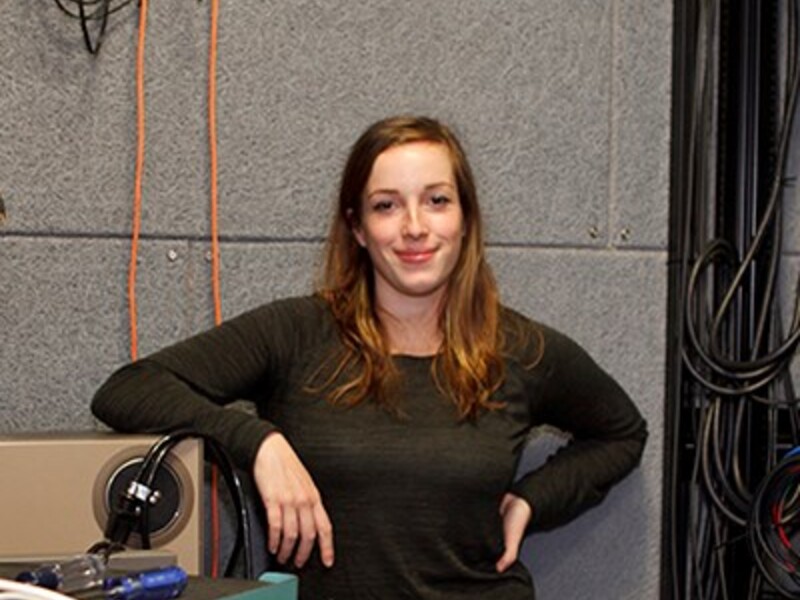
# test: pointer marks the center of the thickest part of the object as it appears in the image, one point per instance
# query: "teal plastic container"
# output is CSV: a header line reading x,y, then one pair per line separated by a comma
x,y
276,586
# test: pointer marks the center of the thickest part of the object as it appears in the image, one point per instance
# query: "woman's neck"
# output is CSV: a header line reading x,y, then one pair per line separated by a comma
x,y
412,328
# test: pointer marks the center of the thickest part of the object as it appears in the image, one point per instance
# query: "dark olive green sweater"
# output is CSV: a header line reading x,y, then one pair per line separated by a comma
x,y
413,498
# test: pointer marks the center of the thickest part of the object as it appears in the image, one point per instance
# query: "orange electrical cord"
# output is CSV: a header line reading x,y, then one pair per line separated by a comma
x,y
215,280
212,149
137,184
137,213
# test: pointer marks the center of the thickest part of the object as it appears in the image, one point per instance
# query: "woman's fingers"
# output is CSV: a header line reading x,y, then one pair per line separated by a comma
x,y
275,526
308,534
288,536
325,535
516,514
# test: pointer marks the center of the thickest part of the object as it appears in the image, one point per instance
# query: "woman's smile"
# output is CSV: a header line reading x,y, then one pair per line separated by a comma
x,y
415,256
411,222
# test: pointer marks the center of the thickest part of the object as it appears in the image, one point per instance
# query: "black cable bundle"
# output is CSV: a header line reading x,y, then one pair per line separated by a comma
x,y
709,360
89,11
130,513
774,526
732,407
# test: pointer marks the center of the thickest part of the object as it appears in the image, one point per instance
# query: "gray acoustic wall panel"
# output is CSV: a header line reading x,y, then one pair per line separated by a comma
x,y
255,273
66,151
524,80
562,106
64,323
639,208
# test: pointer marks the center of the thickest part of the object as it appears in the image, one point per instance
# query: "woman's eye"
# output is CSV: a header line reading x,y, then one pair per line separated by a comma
x,y
382,205
439,199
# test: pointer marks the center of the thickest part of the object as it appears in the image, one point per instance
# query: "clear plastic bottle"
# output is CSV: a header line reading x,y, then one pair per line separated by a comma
x,y
73,575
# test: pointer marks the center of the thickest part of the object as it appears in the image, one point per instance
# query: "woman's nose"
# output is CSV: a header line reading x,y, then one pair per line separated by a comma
x,y
414,224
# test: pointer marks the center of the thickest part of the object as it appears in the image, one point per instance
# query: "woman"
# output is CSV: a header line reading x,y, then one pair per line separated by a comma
x,y
393,404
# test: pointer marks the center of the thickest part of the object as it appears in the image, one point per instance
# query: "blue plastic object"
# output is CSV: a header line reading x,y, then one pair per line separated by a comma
x,y
158,584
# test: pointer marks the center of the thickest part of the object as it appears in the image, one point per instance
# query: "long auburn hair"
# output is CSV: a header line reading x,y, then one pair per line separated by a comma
x,y
468,369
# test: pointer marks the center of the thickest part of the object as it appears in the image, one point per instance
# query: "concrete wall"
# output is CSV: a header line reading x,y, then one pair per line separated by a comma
x,y
564,109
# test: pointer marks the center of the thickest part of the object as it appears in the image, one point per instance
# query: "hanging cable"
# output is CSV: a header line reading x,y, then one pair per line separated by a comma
x,y
137,184
765,368
100,12
212,151
136,227
103,9
215,278
734,409
129,513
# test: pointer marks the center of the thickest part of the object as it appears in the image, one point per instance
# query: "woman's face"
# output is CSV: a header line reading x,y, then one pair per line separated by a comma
x,y
411,222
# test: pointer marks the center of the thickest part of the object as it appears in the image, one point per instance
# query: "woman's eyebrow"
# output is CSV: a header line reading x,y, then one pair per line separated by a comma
x,y
440,184
388,191
430,186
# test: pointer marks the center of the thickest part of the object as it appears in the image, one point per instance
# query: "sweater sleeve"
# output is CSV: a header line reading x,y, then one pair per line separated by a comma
x,y
607,434
188,384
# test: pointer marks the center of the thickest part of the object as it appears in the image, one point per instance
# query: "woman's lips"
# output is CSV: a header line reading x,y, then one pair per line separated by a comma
x,y
415,256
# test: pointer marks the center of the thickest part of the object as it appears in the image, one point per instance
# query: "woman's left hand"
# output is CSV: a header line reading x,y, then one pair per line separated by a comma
x,y
516,514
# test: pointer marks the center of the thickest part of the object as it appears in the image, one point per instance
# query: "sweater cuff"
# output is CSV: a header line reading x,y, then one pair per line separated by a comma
x,y
534,490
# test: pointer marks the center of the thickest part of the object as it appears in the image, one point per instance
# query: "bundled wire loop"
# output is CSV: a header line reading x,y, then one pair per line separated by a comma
x,y
773,530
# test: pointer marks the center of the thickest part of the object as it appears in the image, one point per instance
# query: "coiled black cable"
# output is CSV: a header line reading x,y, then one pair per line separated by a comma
x,y
131,510
774,526
763,369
